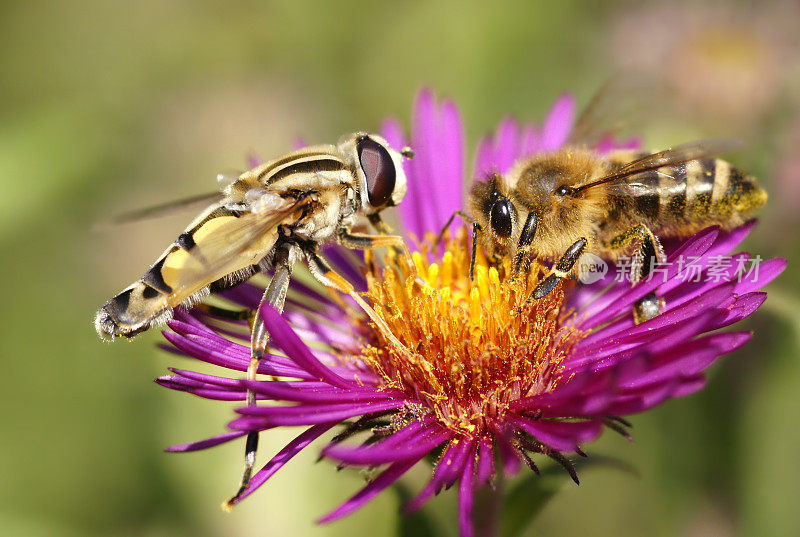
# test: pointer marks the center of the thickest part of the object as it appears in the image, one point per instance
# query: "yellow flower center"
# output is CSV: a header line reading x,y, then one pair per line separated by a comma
x,y
473,345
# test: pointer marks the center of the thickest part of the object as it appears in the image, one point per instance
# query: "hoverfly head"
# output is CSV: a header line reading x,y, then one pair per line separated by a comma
x,y
378,169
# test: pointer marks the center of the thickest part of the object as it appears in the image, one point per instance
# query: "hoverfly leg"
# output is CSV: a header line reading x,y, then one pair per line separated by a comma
x,y
384,229
360,241
561,269
400,248
649,253
228,315
331,279
378,223
286,255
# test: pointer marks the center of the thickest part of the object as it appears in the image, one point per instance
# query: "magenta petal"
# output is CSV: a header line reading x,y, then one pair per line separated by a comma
x,y
418,445
437,170
508,453
741,307
484,159
386,478
422,169
530,140
690,361
285,455
506,149
560,435
466,497
451,183
398,438
453,470
313,392
729,240
206,443
272,416
690,386
485,464
229,359
767,271
206,379
619,300
285,338
393,132
558,125
610,144
446,472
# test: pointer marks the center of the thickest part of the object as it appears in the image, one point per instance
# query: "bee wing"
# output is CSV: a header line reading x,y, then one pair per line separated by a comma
x,y
625,178
225,241
640,184
619,108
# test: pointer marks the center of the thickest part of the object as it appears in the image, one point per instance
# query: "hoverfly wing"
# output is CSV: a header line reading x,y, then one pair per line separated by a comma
x,y
162,210
222,242
624,178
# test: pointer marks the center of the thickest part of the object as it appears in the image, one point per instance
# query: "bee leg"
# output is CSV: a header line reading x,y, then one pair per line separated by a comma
x,y
561,269
325,275
525,240
475,228
286,255
462,214
649,253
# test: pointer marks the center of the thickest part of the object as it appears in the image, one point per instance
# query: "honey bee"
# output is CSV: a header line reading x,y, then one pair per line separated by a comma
x,y
559,206
268,219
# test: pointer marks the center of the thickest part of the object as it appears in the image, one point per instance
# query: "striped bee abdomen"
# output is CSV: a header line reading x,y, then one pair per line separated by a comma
x,y
717,193
680,200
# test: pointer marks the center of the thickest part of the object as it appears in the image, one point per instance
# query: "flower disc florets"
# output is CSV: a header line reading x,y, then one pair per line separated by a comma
x,y
474,345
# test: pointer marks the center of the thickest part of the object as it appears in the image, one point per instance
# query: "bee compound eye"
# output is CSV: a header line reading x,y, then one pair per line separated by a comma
x,y
378,167
500,217
563,191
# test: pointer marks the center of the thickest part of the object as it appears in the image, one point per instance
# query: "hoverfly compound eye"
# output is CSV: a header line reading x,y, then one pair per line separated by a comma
x,y
379,170
500,217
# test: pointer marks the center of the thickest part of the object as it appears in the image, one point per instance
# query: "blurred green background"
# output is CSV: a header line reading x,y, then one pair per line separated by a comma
x,y
107,106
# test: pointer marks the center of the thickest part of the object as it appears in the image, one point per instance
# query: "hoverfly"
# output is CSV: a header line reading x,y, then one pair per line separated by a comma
x,y
560,205
269,218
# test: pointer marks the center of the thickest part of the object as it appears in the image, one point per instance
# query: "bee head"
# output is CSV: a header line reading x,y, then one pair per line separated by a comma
x,y
378,169
496,214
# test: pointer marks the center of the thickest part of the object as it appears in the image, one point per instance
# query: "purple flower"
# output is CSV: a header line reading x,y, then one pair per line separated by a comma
x,y
490,378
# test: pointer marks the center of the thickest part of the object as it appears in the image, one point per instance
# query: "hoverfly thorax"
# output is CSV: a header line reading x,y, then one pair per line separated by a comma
x,y
378,169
